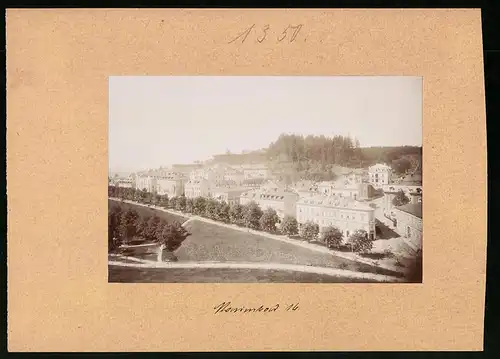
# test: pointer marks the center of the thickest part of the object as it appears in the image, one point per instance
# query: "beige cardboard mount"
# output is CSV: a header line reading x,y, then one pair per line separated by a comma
x,y
58,64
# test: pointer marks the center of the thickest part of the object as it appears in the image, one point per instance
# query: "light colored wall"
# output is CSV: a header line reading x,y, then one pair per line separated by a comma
x,y
344,219
407,220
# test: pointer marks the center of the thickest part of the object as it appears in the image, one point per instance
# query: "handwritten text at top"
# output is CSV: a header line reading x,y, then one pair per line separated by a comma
x,y
265,33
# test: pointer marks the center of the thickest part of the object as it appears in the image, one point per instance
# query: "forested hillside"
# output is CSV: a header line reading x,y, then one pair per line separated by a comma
x,y
317,157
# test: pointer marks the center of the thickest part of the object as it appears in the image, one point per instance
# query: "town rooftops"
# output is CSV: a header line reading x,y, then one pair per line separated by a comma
x,y
196,182
412,208
171,177
381,166
254,181
269,193
334,202
229,190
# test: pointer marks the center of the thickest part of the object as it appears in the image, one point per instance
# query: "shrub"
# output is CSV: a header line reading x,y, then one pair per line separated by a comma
x,y
289,226
236,213
400,199
332,236
251,215
309,230
359,242
268,220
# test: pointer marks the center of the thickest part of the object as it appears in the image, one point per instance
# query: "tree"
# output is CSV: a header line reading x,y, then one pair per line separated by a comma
x,y
236,213
400,199
359,242
114,217
289,226
173,235
180,205
401,165
164,201
199,205
251,215
151,227
309,230
142,226
223,212
173,202
189,205
156,199
211,209
158,234
128,224
332,236
268,220
144,195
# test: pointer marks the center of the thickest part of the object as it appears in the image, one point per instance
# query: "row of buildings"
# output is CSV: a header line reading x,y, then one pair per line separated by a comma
x,y
341,203
337,203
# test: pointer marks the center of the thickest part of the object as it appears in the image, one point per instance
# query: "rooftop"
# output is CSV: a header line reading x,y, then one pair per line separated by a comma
x,y
254,181
413,208
380,165
335,202
229,190
274,193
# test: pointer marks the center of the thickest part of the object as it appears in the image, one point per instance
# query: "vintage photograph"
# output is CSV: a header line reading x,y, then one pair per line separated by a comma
x,y
265,179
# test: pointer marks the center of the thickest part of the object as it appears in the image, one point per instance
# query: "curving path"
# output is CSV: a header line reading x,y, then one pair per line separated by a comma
x,y
140,263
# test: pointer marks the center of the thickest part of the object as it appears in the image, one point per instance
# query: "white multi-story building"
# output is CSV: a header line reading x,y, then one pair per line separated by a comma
x,y
197,188
341,188
379,175
147,183
235,175
305,188
282,200
256,171
228,195
344,213
171,185
124,183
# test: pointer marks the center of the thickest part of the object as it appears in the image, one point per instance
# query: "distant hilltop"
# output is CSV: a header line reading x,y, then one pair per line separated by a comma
x,y
341,151
310,157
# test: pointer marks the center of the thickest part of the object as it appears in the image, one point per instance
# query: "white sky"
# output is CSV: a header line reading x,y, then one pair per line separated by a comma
x,y
157,121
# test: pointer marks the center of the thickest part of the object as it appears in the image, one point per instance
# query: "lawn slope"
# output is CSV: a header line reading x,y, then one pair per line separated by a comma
x,y
209,242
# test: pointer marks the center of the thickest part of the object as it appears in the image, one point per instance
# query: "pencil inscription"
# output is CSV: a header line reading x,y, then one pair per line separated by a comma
x,y
290,33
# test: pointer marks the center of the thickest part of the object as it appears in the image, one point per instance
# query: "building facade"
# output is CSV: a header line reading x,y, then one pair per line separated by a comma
x,y
343,213
172,186
283,201
232,174
409,223
366,191
147,183
197,188
125,183
256,171
338,188
379,175
229,195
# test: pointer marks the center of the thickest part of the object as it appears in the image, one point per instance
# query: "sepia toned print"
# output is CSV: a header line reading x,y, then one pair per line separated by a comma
x,y
265,179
